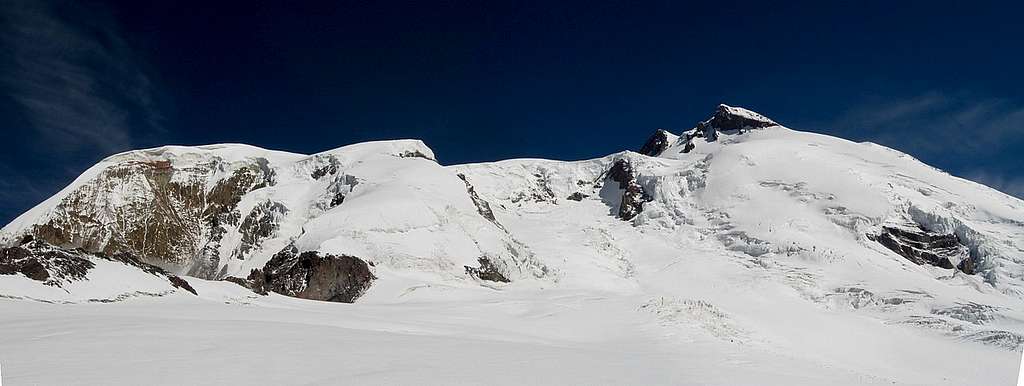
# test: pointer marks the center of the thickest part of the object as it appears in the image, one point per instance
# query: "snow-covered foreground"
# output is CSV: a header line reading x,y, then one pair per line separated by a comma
x,y
293,342
560,338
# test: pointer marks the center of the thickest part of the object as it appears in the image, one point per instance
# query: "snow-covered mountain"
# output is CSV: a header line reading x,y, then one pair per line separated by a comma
x,y
739,250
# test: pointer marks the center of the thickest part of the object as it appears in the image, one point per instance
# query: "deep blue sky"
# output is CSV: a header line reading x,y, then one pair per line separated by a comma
x,y
481,81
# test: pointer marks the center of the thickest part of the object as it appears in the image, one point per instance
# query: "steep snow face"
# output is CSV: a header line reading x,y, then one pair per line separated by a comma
x,y
775,186
412,215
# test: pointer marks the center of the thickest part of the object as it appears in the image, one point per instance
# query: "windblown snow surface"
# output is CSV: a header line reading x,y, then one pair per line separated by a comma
x,y
750,263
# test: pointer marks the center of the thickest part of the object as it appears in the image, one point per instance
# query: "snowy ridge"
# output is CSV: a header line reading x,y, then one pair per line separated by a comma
x,y
401,210
738,252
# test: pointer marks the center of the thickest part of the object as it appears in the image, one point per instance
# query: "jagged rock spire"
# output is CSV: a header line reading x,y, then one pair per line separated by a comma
x,y
658,142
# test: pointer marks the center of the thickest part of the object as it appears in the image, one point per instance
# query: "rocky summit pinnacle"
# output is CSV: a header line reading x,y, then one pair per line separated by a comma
x,y
737,118
729,119
726,119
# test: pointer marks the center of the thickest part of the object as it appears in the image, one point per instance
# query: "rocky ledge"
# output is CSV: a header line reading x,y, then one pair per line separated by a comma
x,y
633,194
728,118
57,267
657,143
311,275
923,247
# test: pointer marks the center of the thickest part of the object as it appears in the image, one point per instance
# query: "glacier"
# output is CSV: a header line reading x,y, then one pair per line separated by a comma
x,y
738,251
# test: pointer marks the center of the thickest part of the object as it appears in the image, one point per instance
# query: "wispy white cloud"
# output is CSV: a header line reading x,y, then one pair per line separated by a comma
x,y
965,131
1012,185
79,90
19,191
936,122
75,78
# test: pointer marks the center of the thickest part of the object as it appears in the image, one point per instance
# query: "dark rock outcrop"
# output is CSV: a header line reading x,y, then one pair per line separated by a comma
x,y
338,199
577,196
923,247
256,281
707,131
261,223
319,173
56,266
482,206
540,191
656,144
178,282
633,195
967,266
486,271
238,280
688,147
20,260
727,119
415,154
342,186
312,275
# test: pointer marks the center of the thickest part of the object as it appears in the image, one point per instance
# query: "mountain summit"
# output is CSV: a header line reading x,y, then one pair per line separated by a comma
x,y
737,238
727,119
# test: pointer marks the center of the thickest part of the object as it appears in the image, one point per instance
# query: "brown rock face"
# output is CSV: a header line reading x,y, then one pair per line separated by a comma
x,y
486,271
20,260
314,276
151,209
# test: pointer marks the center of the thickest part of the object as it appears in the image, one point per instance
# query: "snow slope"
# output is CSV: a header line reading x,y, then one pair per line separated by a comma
x,y
746,256
401,210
